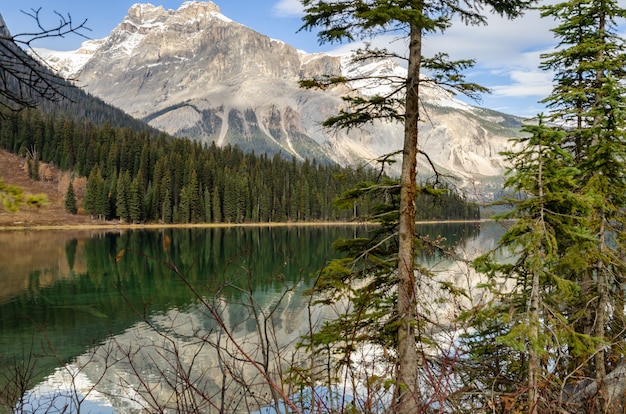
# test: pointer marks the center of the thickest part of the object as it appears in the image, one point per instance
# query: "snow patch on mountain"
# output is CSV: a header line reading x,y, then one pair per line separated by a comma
x,y
69,63
130,44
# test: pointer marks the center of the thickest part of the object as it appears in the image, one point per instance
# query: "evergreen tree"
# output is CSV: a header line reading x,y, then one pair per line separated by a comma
x,y
95,201
69,147
70,199
148,202
207,206
184,206
122,202
230,207
167,207
527,321
347,20
136,203
166,199
590,95
216,206
584,222
111,196
195,206
158,173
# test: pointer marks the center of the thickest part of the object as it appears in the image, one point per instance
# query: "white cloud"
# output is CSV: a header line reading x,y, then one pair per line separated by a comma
x,y
537,83
501,43
288,8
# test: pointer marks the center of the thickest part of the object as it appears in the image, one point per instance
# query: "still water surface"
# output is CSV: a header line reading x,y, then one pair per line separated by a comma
x,y
67,295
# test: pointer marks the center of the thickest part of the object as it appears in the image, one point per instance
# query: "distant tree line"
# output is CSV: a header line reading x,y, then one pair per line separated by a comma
x,y
139,176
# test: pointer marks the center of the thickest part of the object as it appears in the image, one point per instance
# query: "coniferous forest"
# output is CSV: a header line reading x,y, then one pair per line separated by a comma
x,y
139,175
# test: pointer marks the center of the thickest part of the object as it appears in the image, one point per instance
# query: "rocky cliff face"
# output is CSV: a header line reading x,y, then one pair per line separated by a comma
x,y
193,72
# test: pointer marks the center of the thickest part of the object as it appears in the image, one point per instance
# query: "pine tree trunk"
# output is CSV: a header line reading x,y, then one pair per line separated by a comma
x,y
533,355
407,390
533,307
601,312
600,326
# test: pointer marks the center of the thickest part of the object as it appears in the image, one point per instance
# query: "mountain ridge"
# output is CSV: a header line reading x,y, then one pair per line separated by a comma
x,y
194,72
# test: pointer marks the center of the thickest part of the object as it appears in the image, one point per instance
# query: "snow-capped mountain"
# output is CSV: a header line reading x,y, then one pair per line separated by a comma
x,y
194,72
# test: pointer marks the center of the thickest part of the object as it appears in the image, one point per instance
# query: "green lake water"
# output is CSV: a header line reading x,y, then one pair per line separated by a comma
x,y
68,293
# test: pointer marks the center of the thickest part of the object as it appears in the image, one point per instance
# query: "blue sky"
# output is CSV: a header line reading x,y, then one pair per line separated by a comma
x,y
507,52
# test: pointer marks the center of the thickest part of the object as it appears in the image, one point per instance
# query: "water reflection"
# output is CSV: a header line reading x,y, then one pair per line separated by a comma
x,y
70,301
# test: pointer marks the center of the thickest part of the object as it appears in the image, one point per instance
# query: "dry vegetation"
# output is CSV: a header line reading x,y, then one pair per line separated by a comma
x,y
53,184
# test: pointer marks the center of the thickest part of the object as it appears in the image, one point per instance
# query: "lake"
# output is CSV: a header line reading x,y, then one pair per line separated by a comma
x,y
109,321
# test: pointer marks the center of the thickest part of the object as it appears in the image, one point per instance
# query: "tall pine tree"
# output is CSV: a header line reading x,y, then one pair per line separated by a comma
x,y
346,20
587,237
70,199
523,329
95,201
589,97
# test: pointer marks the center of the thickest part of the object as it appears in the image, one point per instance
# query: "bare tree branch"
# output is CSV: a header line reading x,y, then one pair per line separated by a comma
x,y
24,80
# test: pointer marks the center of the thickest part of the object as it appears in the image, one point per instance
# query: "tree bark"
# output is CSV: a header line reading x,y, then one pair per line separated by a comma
x,y
533,355
407,390
601,276
600,326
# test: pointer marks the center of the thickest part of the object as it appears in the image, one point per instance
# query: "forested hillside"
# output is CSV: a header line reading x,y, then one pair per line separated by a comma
x,y
137,175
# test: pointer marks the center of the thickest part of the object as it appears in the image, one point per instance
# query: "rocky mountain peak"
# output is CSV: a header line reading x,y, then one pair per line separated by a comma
x,y
198,8
140,14
195,73
143,18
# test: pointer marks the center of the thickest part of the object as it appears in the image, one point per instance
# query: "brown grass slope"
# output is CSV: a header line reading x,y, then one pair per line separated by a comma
x,y
53,184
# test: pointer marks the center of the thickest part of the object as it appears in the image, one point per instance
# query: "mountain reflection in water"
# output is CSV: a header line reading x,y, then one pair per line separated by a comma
x,y
70,303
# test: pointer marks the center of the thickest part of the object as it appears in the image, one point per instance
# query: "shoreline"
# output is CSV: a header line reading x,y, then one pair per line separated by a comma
x,y
155,226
